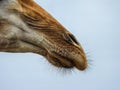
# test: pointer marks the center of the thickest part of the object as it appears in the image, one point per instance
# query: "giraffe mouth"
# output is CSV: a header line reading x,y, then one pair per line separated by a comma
x,y
60,61
67,61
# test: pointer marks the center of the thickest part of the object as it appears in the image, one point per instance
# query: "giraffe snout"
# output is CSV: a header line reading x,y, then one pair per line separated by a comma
x,y
68,57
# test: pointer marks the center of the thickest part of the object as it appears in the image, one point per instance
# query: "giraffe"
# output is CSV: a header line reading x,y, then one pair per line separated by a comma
x,y
27,27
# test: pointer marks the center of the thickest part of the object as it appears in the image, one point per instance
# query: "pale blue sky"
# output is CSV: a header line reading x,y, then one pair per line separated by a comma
x,y
96,24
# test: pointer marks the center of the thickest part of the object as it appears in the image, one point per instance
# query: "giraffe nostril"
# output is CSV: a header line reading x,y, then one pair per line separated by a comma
x,y
70,38
73,39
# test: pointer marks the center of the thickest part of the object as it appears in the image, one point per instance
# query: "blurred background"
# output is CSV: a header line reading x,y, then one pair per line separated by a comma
x,y
96,25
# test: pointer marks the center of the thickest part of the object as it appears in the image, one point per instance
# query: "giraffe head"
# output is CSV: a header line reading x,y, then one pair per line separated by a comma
x,y
26,27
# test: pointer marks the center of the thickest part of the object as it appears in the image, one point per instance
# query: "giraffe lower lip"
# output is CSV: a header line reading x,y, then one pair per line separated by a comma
x,y
60,61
